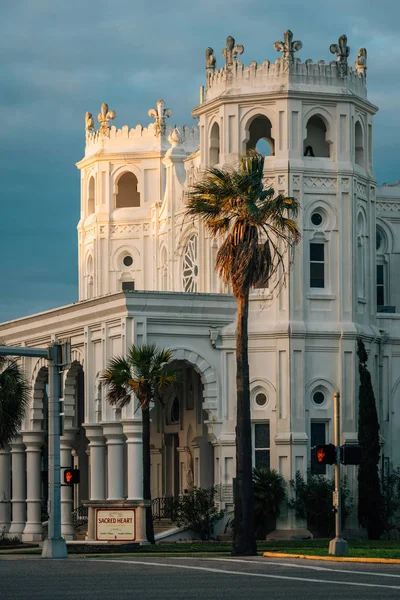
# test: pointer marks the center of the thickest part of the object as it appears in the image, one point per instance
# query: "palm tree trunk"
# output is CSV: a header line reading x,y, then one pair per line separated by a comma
x,y
244,543
146,473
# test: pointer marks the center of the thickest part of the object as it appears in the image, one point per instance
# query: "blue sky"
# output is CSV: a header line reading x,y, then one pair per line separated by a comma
x,y
60,59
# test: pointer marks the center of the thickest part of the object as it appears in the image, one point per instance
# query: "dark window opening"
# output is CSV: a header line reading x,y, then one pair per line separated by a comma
x,y
317,265
261,446
128,286
260,136
380,285
315,143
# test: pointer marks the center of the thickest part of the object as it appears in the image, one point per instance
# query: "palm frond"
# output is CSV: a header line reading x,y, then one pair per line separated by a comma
x,y
14,399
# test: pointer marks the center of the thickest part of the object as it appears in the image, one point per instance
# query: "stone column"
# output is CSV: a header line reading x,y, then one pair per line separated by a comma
x,y
67,501
133,432
5,490
97,450
33,530
115,460
18,491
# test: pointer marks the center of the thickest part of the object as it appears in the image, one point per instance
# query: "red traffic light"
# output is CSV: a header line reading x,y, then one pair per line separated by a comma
x,y
71,476
325,454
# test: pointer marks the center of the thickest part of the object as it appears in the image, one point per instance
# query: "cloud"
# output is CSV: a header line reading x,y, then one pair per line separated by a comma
x,y
60,59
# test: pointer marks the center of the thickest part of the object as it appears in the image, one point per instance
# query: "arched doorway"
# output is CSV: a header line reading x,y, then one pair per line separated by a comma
x,y
182,454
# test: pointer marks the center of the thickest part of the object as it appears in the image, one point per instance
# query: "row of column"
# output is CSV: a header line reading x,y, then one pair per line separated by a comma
x,y
107,477
20,475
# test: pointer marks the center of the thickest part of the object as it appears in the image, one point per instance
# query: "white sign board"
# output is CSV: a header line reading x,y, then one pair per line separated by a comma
x,y
116,525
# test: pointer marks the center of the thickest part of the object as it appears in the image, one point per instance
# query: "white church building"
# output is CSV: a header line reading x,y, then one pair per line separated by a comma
x,y
146,274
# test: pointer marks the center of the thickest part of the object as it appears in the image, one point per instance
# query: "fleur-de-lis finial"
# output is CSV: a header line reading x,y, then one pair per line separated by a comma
x,y
288,47
361,61
342,51
210,61
104,117
89,123
160,114
230,52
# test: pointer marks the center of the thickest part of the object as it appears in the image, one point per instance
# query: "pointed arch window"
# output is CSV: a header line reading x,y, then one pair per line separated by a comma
x,y
190,265
315,144
260,136
359,144
214,145
91,196
127,195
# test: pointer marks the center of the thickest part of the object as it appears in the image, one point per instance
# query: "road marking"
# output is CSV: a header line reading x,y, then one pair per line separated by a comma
x,y
311,567
263,575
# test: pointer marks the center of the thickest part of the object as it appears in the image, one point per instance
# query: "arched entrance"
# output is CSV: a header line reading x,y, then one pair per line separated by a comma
x,y
182,455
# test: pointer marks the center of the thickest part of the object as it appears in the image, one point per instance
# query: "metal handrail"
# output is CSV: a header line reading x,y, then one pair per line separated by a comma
x,y
80,516
163,508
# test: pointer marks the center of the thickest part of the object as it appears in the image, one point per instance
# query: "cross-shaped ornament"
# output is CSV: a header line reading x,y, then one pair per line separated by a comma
x,y
288,47
342,51
104,118
230,52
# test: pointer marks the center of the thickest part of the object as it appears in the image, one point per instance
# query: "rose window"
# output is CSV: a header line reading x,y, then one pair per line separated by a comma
x,y
190,266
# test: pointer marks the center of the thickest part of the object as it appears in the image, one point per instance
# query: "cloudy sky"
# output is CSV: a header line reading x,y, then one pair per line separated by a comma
x,y
61,58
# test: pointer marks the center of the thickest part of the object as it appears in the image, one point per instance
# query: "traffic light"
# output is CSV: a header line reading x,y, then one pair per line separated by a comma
x,y
350,454
325,454
71,476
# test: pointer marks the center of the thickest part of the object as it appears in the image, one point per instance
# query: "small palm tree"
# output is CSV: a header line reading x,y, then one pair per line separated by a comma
x,y
256,230
143,372
14,398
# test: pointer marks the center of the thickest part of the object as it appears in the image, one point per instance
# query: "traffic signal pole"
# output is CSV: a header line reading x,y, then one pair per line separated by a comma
x,y
337,545
54,546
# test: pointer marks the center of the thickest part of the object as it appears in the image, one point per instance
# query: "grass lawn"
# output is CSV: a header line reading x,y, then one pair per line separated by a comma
x,y
318,547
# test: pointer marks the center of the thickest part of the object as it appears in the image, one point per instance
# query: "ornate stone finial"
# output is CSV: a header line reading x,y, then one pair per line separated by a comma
x,y
342,51
230,52
104,118
89,123
361,61
160,114
288,47
210,61
176,137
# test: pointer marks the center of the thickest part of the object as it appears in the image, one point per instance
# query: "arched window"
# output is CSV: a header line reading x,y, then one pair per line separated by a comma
x,y
91,196
164,270
260,136
127,191
382,293
190,265
89,277
360,256
359,144
214,145
315,143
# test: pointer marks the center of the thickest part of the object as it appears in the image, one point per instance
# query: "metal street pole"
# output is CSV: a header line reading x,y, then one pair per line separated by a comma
x,y
337,545
54,546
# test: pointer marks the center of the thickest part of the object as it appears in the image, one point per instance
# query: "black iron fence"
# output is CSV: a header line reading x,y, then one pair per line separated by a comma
x,y
80,516
163,508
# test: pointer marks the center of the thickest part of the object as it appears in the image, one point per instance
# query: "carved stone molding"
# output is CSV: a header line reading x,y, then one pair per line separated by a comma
x,y
321,182
388,207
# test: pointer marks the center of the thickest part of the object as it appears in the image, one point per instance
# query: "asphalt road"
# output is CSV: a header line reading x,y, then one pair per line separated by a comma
x,y
180,578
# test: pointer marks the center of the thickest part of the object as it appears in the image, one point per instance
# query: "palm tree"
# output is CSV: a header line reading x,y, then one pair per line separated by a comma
x,y
255,232
14,398
143,372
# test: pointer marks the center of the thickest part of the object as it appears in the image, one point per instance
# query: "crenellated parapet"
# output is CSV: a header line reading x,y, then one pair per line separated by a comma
x,y
287,72
140,139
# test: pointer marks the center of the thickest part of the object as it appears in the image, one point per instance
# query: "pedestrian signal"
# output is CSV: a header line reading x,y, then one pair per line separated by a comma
x,y
71,476
325,454
350,454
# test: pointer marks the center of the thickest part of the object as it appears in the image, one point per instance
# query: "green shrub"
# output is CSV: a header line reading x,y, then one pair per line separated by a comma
x,y
196,509
6,541
391,501
269,493
314,502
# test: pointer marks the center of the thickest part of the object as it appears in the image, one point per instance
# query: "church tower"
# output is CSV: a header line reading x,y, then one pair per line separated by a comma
x,y
313,123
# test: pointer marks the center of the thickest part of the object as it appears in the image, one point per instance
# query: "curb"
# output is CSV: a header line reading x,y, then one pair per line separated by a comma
x,y
386,561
